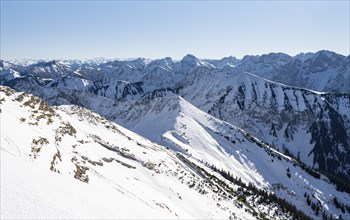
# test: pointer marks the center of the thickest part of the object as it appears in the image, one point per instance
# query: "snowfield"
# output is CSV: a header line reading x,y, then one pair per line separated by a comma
x,y
142,180
67,162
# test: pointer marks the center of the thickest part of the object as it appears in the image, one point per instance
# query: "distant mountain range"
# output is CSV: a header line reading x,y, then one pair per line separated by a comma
x,y
324,71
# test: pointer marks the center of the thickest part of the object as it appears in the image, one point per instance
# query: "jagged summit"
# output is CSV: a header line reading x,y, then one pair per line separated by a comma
x,y
46,63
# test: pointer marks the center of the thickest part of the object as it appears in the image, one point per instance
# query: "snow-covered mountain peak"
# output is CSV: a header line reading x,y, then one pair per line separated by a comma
x,y
226,61
5,64
166,64
71,82
304,56
189,58
327,53
139,63
24,62
189,62
274,57
49,69
47,63
322,61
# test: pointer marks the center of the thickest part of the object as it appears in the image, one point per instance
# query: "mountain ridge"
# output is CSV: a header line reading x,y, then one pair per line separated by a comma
x,y
328,66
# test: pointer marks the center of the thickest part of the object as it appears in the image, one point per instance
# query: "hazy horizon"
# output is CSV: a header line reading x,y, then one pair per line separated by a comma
x,y
134,58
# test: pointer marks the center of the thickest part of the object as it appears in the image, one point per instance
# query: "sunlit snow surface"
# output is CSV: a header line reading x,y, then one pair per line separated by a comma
x,y
122,188
143,179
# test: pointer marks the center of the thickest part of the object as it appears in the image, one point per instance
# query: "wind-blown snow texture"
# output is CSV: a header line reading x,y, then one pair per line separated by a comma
x,y
198,115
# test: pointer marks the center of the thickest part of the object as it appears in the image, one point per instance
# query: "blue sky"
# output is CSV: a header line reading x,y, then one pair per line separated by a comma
x,y
154,29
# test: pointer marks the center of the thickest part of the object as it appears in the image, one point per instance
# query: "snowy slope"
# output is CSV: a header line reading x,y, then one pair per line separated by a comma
x,y
179,126
290,118
87,167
